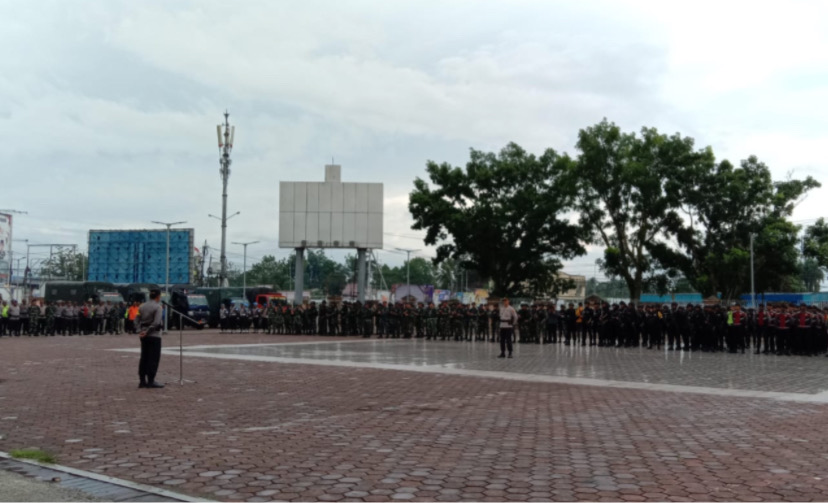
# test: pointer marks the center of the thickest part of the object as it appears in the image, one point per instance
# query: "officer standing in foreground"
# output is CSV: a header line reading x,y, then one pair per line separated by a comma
x,y
150,323
508,320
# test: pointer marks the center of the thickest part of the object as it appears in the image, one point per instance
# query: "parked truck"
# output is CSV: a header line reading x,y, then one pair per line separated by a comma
x,y
81,291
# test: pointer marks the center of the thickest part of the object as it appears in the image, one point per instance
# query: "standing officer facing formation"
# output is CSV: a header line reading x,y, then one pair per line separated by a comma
x,y
150,323
508,320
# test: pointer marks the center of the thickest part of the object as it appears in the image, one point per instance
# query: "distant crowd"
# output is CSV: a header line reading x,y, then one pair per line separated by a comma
x,y
783,329
774,329
67,318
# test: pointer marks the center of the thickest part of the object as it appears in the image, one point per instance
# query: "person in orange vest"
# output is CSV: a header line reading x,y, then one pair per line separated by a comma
x,y
132,313
579,325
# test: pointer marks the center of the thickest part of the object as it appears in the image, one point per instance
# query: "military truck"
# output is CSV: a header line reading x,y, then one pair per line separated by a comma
x,y
193,306
136,292
81,291
215,296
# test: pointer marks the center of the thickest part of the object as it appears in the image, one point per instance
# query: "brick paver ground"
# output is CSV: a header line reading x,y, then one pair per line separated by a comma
x,y
256,431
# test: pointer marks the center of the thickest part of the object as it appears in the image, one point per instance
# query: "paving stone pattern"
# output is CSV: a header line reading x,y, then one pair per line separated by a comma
x,y
791,374
260,431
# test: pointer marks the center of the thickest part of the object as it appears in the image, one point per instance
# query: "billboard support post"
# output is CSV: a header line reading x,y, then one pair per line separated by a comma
x,y
300,277
361,275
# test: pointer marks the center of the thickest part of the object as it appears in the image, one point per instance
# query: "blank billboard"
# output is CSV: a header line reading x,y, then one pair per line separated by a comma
x,y
330,215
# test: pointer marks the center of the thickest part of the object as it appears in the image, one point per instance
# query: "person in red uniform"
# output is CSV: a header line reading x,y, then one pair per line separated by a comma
x,y
735,333
801,334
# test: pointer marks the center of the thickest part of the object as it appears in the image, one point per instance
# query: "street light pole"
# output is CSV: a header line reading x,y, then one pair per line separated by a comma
x,y
244,267
167,283
752,288
225,143
407,269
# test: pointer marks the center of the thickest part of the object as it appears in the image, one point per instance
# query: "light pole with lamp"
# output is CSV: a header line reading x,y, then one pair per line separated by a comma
x,y
407,269
244,267
167,282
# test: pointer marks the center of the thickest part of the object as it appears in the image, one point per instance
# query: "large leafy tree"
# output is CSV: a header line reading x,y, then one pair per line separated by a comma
x,y
628,197
816,243
422,273
420,270
504,216
811,275
321,272
723,207
66,264
267,271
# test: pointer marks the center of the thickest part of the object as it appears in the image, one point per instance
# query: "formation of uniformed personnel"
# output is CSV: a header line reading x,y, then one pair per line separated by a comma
x,y
64,318
781,329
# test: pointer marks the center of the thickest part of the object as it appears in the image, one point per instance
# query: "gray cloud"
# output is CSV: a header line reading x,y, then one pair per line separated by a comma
x,y
108,110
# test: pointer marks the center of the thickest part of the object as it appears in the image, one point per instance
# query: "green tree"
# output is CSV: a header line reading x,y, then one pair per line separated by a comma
x,y
268,271
66,264
321,273
421,271
446,274
811,275
816,242
628,196
503,216
723,207
614,288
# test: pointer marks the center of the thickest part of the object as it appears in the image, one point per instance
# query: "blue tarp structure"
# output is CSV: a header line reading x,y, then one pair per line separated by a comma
x,y
681,298
140,256
790,298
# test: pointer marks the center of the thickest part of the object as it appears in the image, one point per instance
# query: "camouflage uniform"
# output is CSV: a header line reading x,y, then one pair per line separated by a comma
x,y
34,320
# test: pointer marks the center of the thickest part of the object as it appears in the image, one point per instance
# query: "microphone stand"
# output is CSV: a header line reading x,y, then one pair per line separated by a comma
x,y
181,317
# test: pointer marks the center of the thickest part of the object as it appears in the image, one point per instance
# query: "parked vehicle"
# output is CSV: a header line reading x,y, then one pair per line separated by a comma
x,y
179,299
136,292
81,291
265,299
215,296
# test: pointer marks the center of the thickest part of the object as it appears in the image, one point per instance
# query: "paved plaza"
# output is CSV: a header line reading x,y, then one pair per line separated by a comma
x,y
337,419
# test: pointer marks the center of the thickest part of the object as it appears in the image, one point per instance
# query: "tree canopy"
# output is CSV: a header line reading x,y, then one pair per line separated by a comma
x,y
628,196
816,243
65,264
724,206
666,213
504,216
321,272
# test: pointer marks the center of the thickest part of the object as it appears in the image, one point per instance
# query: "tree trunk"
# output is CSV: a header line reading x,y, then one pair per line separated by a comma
x,y
635,291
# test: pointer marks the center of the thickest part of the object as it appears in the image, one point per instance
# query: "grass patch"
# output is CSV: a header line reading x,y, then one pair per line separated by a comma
x,y
33,454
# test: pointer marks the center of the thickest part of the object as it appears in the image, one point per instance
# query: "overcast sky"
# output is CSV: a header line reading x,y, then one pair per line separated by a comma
x,y
108,109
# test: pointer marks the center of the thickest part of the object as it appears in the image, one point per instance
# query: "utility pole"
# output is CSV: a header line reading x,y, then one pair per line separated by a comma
x,y
225,143
407,269
25,271
167,282
204,251
752,288
11,232
223,260
52,246
244,269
